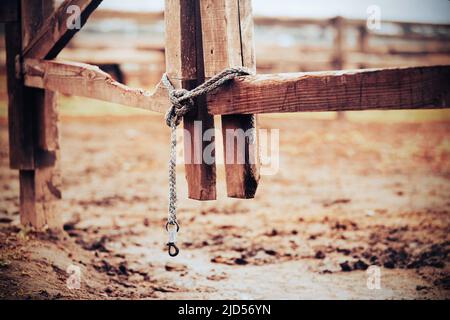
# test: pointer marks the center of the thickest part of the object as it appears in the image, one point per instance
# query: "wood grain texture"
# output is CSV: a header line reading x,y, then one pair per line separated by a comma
x,y
338,55
40,188
221,35
369,89
247,35
54,33
184,61
85,80
39,197
228,42
20,121
366,89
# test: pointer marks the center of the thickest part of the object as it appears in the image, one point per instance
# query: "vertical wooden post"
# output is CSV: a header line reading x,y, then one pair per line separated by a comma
x,y
21,149
185,68
363,40
33,121
338,44
227,27
338,59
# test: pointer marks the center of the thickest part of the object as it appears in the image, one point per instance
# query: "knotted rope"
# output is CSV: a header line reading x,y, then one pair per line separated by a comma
x,y
182,101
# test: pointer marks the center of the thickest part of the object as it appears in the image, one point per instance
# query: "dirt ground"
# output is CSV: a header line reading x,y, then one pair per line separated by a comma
x,y
347,195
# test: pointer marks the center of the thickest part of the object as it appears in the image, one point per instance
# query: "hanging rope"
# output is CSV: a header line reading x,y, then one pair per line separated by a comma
x,y
182,102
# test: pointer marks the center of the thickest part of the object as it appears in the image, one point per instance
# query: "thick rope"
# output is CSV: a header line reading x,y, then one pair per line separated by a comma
x,y
182,102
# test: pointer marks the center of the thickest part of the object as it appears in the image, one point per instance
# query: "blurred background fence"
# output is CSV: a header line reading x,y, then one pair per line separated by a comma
x,y
130,45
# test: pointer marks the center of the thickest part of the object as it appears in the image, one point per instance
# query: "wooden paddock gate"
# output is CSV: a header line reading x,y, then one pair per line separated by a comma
x,y
203,37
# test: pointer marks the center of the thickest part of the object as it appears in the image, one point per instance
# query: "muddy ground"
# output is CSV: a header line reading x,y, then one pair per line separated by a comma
x,y
347,195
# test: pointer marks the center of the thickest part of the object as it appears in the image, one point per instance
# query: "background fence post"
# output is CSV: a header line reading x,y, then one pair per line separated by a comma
x,y
227,28
33,124
338,60
184,66
363,42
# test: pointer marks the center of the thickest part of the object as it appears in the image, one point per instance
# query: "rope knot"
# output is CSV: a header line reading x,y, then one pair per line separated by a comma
x,y
181,105
182,101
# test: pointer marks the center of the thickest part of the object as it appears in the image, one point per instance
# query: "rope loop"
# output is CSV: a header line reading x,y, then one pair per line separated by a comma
x,y
182,102
173,249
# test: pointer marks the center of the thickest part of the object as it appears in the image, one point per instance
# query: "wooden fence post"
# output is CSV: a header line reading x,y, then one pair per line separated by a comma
x,y
227,27
363,41
21,149
203,37
185,68
338,50
33,124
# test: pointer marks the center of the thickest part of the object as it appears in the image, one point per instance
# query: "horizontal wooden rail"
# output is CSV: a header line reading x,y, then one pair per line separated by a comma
x,y
85,80
296,22
405,24
145,17
399,88
369,89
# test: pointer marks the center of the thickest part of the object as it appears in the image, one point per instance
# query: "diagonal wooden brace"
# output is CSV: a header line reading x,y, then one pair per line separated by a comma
x,y
57,30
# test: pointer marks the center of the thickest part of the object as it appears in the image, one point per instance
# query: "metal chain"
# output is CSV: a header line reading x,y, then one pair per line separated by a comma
x,y
182,102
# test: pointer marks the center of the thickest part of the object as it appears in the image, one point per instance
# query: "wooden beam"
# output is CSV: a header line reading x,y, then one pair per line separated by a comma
x,y
142,17
21,149
33,132
338,43
338,55
20,120
185,68
227,28
55,32
294,22
89,81
367,89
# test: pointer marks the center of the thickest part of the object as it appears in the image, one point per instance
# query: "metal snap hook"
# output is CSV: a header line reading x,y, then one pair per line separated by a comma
x,y
172,223
171,249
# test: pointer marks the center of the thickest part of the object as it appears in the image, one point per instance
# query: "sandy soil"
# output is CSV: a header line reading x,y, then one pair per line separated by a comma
x,y
347,195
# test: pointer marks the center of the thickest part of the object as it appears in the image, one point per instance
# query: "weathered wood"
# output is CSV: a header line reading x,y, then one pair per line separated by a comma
x,y
55,33
368,89
9,11
39,196
20,123
185,68
338,58
85,80
228,41
298,22
363,40
338,43
40,188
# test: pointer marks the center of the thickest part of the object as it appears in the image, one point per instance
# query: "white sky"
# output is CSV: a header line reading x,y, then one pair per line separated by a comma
x,y
405,10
